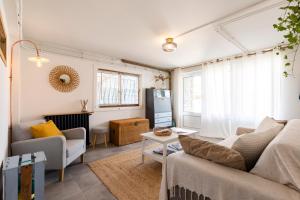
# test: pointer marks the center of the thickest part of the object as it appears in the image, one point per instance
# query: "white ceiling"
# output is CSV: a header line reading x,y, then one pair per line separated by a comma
x,y
136,29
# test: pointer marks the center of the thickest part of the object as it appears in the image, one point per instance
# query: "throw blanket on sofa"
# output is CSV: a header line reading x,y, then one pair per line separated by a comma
x,y
191,178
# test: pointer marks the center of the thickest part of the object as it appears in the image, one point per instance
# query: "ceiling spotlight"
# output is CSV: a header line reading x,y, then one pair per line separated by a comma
x,y
169,45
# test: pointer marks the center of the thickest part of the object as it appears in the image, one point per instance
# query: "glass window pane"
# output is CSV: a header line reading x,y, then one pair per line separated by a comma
x,y
192,94
129,89
108,88
187,94
99,75
115,89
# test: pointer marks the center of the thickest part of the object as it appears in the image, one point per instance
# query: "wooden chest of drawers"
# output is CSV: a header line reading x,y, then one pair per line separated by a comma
x,y
126,131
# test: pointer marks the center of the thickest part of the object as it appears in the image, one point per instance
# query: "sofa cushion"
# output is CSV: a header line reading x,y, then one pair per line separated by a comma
x,y
229,141
265,124
243,130
22,131
268,123
280,161
212,152
46,129
73,146
252,145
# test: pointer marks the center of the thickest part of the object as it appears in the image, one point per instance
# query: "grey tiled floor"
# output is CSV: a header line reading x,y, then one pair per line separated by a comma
x,y
80,182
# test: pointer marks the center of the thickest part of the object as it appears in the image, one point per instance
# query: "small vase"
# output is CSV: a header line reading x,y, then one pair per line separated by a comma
x,y
84,105
84,109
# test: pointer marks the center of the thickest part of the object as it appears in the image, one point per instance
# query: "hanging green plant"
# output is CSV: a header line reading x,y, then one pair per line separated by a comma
x,y
289,24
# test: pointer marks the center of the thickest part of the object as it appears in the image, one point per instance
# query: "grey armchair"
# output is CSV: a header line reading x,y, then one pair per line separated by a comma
x,y
60,151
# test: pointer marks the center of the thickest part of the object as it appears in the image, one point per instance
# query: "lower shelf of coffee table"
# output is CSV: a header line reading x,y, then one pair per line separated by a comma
x,y
149,153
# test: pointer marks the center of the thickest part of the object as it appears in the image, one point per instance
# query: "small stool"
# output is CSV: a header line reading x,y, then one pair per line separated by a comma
x,y
98,130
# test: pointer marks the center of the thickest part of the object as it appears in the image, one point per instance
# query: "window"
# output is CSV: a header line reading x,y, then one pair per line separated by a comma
x,y
232,93
117,89
192,94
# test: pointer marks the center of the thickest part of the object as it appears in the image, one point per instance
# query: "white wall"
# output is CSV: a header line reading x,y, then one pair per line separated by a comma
x,y
38,98
9,18
4,106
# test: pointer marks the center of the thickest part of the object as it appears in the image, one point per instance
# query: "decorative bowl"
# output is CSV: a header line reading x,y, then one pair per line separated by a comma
x,y
162,131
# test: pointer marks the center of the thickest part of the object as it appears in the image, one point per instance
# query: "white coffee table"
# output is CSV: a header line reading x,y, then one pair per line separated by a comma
x,y
164,140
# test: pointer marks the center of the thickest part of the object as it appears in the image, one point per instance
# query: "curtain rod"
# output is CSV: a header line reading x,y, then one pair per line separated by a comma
x,y
238,56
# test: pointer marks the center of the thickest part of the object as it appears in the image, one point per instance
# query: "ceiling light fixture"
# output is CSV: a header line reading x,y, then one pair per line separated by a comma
x,y
169,45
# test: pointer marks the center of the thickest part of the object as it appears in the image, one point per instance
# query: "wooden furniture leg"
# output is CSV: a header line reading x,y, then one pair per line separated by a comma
x,y
82,158
94,141
61,175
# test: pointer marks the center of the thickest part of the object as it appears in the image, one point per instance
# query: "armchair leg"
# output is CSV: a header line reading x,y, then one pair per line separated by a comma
x,y
82,158
61,174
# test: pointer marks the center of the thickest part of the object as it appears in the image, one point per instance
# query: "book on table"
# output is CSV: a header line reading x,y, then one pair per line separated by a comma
x,y
172,148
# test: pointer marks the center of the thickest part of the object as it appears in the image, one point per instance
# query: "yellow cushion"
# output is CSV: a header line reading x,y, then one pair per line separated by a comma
x,y
45,130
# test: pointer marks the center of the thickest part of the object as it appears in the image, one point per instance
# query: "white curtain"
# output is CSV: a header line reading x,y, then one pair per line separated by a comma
x,y
215,115
239,92
177,88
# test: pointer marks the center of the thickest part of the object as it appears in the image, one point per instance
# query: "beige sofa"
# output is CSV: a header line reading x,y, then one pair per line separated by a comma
x,y
276,175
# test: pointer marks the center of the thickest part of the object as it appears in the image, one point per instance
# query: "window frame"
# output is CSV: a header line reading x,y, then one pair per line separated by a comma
x,y
189,75
117,106
186,114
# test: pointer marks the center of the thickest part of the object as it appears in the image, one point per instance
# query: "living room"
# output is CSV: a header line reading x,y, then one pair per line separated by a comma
x,y
150,99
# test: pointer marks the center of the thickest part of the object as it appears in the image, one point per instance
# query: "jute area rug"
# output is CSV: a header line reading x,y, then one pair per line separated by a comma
x,y
127,178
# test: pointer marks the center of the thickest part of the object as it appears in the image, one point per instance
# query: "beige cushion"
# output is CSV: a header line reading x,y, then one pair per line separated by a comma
x,y
280,161
268,123
242,130
229,141
212,152
252,145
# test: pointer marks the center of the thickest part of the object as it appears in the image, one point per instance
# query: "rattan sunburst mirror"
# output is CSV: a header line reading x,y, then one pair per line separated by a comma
x,y
64,78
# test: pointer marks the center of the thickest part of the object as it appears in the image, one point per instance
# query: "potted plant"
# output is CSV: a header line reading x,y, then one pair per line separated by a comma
x,y
289,24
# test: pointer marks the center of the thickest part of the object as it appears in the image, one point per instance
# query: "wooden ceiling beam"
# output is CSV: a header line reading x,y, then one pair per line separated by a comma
x,y
144,65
